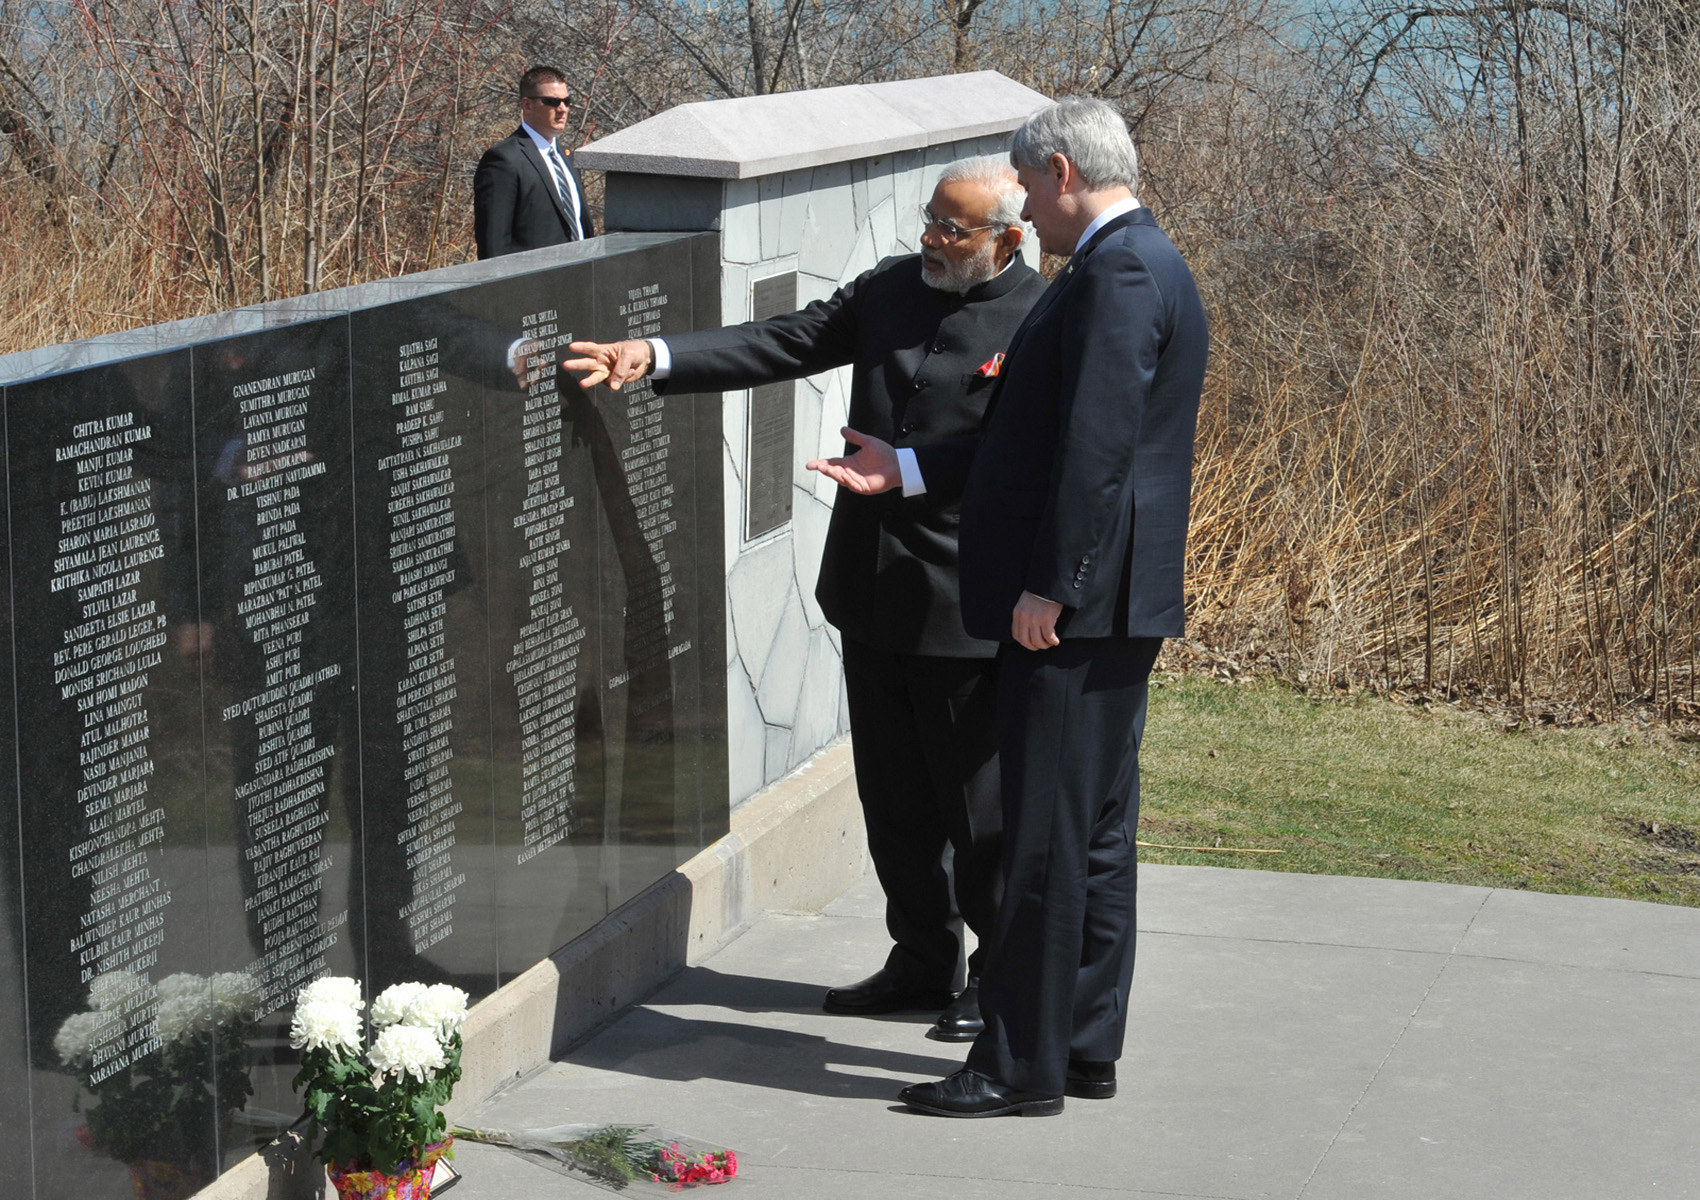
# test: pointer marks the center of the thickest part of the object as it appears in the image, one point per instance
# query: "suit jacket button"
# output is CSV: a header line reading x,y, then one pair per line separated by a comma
x,y
919,384
1077,584
938,347
1084,559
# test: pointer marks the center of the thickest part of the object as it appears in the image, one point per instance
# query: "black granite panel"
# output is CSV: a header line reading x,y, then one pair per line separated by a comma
x,y
769,449
541,511
277,595
429,908
642,450
15,1157
336,648
714,787
112,809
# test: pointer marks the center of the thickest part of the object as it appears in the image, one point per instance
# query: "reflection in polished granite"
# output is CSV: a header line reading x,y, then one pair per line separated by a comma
x,y
14,1033
109,768
340,649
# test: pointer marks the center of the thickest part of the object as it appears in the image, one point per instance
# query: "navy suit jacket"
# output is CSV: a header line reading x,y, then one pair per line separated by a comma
x,y
888,571
514,202
1078,487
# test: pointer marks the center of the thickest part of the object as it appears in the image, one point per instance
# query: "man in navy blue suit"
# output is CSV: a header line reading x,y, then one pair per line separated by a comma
x,y
1074,513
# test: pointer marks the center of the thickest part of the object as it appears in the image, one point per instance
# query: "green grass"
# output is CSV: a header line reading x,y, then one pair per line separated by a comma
x,y
1368,787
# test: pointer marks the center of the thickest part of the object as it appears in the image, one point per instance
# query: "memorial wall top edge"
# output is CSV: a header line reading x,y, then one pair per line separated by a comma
x,y
193,331
745,137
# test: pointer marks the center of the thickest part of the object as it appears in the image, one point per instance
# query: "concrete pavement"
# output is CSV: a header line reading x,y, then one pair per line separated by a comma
x,y
1291,1036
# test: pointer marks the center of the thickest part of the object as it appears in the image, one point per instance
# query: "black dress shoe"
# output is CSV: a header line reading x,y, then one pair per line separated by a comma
x,y
1089,1080
960,1021
970,1094
884,992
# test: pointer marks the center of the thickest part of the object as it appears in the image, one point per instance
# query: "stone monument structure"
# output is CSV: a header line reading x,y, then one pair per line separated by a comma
x,y
336,646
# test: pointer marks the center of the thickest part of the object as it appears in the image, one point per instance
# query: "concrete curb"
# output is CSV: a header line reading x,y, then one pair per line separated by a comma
x,y
795,847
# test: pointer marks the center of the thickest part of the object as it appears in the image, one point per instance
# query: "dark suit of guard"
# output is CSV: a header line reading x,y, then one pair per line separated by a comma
x,y
1077,491
921,691
516,204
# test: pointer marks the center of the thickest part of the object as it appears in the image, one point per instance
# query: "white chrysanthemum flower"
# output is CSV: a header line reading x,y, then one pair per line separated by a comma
x,y
108,992
392,1004
407,1050
80,1033
236,995
185,1013
336,989
182,984
441,1008
325,1025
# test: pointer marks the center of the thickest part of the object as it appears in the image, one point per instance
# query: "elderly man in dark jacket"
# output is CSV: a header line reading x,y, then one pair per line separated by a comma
x,y
923,335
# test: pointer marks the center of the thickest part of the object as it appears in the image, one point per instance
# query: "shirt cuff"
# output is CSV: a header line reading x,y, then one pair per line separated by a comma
x,y
913,484
661,358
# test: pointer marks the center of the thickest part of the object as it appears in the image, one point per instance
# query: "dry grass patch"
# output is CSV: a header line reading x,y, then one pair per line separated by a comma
x,y
1367,787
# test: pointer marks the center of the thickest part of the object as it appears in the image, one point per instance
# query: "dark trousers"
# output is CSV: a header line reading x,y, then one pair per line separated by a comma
x,y
924,737
1060,966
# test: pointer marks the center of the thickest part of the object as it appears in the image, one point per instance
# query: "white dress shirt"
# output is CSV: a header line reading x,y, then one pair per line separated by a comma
x,y
546,147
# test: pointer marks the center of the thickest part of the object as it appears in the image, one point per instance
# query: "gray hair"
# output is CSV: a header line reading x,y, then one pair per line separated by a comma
x,y
992,172
1087,132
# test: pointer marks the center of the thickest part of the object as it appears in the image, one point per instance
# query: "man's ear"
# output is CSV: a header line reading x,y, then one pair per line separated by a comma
x,y
1009,243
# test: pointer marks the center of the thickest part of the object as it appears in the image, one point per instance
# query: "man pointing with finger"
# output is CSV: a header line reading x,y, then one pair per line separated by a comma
x,y
1074,514
922,335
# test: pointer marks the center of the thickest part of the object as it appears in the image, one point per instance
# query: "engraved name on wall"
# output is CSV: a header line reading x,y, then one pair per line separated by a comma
x,y
420,550
644,461
109,537
545,663
274,476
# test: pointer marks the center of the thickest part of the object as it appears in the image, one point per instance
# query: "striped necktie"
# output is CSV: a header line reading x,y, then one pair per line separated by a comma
x,y
558,168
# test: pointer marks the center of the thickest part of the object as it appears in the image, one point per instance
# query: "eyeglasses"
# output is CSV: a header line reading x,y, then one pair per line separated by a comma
x,y
551,101
949,230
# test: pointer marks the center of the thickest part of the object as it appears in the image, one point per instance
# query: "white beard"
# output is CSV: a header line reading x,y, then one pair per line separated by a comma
x,y
959,277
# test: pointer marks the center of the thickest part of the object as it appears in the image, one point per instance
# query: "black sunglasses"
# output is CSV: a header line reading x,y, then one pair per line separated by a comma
x,y
551,101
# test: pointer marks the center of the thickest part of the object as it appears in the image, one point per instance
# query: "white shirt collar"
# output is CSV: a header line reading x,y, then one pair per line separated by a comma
x,y
1104,218
543,143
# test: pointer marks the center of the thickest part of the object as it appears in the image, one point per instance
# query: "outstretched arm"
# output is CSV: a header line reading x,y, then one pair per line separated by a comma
x,y
616,362
871,469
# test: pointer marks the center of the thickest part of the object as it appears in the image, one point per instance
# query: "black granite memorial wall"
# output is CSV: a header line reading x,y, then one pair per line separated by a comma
x,y
337,645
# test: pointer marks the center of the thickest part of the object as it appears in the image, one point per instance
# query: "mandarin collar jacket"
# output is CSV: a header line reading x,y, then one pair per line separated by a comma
x,y
888,571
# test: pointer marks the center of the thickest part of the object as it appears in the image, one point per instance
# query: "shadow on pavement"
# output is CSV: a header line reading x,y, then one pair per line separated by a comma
x,y
651,1042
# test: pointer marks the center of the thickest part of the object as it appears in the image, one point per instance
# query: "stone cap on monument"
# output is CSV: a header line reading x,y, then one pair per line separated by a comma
x,y
748,136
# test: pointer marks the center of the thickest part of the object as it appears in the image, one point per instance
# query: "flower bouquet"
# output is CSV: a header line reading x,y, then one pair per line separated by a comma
x,y
143,1053
379,1108
617,1157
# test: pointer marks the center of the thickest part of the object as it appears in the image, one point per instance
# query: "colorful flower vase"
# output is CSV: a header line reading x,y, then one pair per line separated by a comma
x,y
153,1180
408,1183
